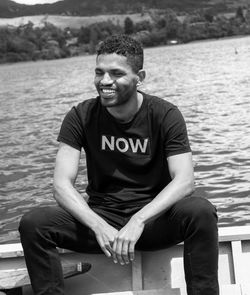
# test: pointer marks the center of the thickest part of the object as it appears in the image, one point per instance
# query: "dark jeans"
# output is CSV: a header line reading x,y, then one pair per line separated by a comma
x,y
192,220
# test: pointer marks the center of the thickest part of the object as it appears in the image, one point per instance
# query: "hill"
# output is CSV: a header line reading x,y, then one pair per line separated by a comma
x,y
10,8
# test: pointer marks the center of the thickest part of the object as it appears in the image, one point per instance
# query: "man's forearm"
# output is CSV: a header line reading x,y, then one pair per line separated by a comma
x,y
69,198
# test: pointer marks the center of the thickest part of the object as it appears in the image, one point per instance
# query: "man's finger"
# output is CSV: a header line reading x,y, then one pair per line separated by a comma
x,y
104,247
118,251
109,248
125,253
131,251
113,252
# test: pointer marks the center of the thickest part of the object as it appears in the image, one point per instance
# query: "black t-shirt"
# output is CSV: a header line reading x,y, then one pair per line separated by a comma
x,y
126,162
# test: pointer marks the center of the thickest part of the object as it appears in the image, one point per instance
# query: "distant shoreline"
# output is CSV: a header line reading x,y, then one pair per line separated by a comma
x,y
221,38
55,36
73,21
88,54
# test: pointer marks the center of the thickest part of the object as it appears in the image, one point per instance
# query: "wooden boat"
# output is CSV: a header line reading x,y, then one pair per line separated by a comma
x,y
152,273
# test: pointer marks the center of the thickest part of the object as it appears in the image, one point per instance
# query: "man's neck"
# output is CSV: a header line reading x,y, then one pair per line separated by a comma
x,y
125,113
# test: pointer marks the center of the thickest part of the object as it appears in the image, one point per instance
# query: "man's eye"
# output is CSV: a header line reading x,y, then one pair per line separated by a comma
x,y
98,73
118,74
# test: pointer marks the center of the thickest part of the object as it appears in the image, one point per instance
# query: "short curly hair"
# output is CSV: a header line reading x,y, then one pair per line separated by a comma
x,y
126,46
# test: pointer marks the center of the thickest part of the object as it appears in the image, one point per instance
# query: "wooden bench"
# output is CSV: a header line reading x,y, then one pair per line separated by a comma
x,y
154,273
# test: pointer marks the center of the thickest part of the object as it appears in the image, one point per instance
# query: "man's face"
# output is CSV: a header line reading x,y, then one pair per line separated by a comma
x,y
115,80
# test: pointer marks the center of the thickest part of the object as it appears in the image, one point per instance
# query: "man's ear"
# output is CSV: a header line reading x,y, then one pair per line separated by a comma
x,y
141,75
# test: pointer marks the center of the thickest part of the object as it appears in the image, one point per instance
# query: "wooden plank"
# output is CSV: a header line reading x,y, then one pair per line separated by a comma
x,y
233,289
237,260
145,292
13,278
234,233
137,278
245,289
116,293
11,250
16,250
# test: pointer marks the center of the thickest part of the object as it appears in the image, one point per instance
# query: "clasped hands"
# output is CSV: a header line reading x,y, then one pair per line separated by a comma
x,y
120,245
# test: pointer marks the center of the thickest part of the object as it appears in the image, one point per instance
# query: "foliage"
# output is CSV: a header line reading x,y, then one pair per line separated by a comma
x,y
28,42
128,26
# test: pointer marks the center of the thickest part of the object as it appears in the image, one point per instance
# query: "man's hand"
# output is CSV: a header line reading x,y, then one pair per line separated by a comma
x,y
126,238
105,235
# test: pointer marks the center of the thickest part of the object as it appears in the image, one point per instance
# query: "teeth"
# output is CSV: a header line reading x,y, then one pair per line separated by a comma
x,y
108,91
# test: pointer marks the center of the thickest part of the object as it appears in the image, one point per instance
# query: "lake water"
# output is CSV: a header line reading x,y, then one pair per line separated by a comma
x,y
209,81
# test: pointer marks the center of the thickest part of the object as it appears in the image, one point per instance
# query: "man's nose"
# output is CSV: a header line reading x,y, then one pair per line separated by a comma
x,y
106,80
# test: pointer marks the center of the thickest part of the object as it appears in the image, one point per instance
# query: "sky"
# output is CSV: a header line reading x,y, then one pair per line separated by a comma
x,y
34,1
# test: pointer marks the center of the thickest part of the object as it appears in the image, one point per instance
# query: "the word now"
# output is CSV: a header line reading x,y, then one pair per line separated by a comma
x,y
121,144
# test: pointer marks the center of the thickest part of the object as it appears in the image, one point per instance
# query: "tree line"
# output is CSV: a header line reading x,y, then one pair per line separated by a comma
x,y
27,42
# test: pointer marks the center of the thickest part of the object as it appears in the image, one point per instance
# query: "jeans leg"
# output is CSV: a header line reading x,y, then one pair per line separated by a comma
x,y
41,231
194,221
200,246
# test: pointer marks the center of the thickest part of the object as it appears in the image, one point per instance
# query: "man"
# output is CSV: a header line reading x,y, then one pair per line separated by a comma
x,y
140,181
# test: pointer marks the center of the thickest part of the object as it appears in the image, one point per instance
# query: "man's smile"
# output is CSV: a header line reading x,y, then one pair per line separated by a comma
x,y
107,92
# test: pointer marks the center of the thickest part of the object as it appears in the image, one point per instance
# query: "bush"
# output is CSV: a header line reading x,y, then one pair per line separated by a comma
x,y
18,45
128,26
13,57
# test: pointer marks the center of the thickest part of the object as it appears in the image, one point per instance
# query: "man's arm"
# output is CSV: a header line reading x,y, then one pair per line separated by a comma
x,y
182,184
66,169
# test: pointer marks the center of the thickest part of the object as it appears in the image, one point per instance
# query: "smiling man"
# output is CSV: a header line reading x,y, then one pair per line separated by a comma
x,y
140,181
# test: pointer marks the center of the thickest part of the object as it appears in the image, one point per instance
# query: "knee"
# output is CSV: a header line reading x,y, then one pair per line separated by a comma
x,y
203,209
201,212
201,222
31,221
26,223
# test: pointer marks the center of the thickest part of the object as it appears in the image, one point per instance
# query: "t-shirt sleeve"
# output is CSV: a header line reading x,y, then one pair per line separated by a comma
x,y
175,133
71,131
